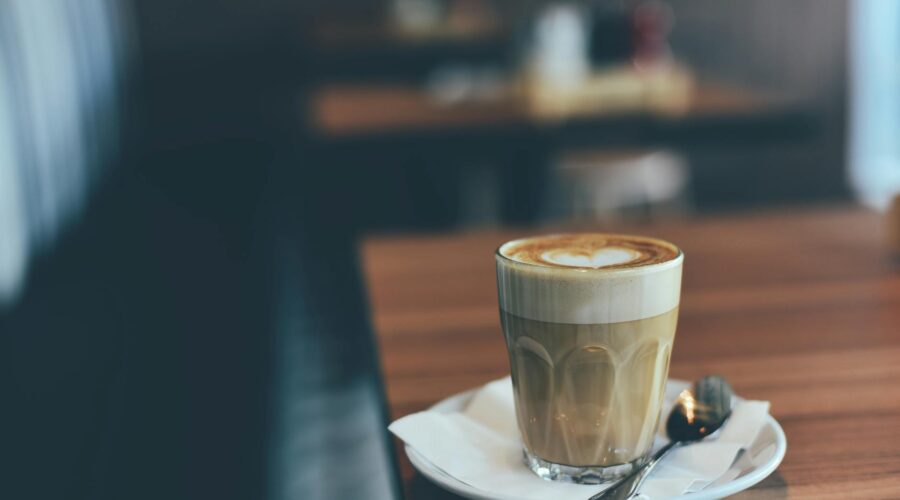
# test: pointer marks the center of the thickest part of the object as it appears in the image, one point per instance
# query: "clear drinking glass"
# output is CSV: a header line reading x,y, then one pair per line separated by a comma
x,y
589,346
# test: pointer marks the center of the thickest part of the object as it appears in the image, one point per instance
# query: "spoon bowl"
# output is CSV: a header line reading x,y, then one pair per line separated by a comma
x,y
701,410
698,412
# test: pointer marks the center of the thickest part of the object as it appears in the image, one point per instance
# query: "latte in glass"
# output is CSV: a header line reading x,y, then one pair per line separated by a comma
x,y
589,321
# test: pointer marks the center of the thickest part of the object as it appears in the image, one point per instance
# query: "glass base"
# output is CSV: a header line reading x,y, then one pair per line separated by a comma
x,y
581,475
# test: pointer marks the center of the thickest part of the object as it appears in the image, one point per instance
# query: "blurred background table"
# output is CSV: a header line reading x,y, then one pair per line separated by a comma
x,y
802,309
341,112
511,144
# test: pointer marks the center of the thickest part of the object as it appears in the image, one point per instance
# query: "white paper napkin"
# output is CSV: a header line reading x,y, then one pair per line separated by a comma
x,y
480,446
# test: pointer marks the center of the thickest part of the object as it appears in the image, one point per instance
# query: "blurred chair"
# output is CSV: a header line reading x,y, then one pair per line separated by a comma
x,y
616,184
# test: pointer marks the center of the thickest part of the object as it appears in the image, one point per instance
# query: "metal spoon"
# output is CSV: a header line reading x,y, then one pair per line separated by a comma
x,y
699,412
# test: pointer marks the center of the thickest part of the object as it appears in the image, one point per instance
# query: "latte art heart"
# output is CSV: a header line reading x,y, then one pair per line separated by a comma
x,y
608,256
590,251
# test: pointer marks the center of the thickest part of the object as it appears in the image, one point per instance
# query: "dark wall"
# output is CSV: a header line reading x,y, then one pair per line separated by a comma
x,y
793,50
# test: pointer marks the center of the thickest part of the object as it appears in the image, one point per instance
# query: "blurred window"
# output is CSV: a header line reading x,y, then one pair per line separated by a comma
x,y
875,100
61,69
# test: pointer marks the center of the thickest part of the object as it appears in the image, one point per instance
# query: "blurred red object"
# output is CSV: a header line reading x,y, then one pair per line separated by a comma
x,y
652,22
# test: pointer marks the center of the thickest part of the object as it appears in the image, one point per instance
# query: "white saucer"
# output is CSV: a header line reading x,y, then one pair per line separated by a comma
x,y
766,452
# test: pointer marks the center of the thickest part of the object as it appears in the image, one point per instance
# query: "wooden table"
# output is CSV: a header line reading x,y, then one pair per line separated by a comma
x,y
801,309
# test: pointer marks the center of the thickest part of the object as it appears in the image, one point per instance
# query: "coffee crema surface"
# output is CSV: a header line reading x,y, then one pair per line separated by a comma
x,y
590,251
588,278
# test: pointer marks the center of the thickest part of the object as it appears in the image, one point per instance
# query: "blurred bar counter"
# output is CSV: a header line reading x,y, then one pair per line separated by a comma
x,y
394,132
612,108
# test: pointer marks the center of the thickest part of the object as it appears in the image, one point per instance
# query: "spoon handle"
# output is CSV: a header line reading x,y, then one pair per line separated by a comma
x,y
629,485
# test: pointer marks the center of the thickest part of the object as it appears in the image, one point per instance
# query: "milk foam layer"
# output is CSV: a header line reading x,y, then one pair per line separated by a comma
x,y
588,278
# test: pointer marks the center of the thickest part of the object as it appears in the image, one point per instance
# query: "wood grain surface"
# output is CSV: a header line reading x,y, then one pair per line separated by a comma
x,y
799,308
